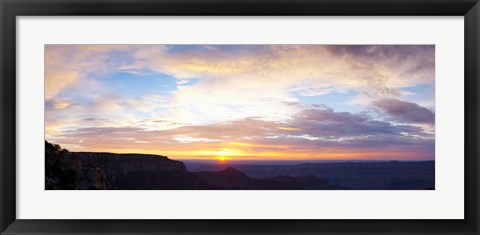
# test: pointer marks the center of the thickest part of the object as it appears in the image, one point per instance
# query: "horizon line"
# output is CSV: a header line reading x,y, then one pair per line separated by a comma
x,y
264,160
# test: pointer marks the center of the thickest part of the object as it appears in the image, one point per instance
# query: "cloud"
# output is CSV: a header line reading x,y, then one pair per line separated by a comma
x,y
380,70
66,64
377,69
240,81
263,78
313,133
406,112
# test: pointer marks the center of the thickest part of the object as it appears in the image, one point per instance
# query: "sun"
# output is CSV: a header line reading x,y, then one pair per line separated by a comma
x,y
223,155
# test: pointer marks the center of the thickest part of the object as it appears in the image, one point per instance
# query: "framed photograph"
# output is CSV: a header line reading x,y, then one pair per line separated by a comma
x,y
252,117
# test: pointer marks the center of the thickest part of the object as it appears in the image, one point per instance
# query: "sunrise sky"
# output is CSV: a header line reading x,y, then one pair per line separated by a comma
x,y
243,102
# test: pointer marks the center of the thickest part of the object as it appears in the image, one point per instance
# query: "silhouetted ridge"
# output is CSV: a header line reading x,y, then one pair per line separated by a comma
x,y
231,178
371,175
232,172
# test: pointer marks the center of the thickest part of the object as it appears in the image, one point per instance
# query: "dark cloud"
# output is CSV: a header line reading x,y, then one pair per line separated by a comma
x,y
328,123
95,119
405,111
384,53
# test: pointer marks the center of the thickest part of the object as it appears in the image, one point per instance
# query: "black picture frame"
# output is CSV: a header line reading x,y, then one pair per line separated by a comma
x,y
470,9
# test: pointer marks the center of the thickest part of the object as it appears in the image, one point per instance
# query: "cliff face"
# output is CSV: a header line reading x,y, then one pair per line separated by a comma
x,y
66,171
84,170
138,171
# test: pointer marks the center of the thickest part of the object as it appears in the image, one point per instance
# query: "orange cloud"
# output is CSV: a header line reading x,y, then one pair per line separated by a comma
x,y
287,128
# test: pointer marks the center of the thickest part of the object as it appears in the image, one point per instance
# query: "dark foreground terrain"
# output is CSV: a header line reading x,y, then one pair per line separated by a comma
x,y
88,170
392,175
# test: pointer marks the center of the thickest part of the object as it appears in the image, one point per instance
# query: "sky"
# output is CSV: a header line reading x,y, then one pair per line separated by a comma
x,y
243,102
